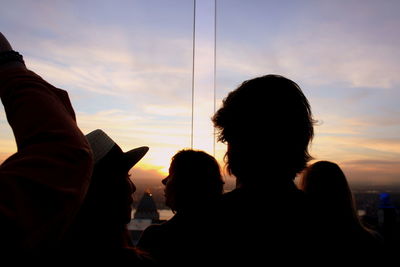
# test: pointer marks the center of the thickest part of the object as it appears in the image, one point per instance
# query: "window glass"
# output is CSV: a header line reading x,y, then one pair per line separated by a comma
x,y
127,66
345,57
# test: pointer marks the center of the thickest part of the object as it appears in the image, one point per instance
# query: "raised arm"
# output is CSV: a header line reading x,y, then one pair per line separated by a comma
x,y
43,184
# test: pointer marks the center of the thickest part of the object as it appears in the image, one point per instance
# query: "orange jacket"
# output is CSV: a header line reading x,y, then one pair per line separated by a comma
x,y
44,183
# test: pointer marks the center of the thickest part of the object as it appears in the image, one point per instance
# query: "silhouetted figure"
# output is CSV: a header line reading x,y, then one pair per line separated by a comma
x,y
267,125
193,186
43,184
334,205
100,228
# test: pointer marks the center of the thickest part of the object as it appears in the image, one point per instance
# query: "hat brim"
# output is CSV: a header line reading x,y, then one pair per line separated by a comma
x,y
135,155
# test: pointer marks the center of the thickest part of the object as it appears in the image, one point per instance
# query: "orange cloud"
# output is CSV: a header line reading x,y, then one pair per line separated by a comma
x,y
372,172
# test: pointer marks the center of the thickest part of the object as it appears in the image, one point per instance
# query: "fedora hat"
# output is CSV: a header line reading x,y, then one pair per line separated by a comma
x,y
104,147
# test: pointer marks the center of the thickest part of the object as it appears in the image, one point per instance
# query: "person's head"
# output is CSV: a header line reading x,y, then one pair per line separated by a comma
x,y
194,179
326,184
266,122
108,201
111,188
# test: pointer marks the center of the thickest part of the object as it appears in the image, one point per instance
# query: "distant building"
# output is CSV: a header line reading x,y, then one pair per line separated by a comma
x,y
147,208
146,214
389,220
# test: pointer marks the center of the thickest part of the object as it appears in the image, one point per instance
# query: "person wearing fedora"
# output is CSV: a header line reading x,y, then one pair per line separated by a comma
x,y
42,185
101,224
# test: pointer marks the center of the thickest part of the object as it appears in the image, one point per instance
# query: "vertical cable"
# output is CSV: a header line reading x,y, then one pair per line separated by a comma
x,y
215,68
193,55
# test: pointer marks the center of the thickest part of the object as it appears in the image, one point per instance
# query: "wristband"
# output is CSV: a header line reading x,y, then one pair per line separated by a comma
x,y
10,56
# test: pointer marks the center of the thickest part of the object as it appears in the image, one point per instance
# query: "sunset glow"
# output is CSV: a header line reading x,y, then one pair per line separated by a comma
x,y
127,66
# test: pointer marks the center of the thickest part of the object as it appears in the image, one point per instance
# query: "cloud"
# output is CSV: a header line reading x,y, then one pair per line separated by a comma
x,y
168,110
86,53
116,72
143,175
346,147
373,172
317,48
366,160
317,62
319,59
134,79
380,163
130,130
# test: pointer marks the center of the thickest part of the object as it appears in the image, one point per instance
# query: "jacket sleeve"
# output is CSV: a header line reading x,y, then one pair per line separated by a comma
x,y
43,184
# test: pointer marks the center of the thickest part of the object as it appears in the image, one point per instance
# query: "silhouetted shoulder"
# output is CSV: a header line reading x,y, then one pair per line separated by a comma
x,y
232,196
370,238
158,231
178,240
151,237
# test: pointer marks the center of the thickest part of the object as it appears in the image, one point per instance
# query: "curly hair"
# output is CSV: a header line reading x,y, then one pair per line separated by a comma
x,y
266,120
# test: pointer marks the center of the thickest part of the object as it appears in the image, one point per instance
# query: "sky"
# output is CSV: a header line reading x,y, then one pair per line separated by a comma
x,y
127,66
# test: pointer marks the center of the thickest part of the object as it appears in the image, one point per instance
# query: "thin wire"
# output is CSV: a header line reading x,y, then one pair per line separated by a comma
x,y
193,55
215,68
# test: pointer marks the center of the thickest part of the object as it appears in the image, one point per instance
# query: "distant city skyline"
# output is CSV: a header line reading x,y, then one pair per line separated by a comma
x,y
127,66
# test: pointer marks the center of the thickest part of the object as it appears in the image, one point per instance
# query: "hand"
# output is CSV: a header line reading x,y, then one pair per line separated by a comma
x,y
4,47
4,44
